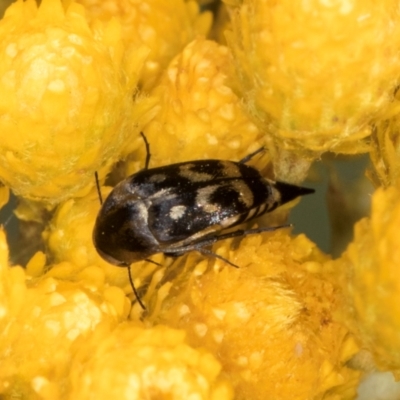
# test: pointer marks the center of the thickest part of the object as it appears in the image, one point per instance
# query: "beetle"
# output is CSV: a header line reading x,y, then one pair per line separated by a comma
x,y
183,207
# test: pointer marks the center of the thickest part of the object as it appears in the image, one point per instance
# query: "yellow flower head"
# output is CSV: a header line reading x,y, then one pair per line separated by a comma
x,y
200,116
165,27
316,73
68,237
38,336
65,98
78,85
136,363
12,285
271,322
4,196
370,269
385,150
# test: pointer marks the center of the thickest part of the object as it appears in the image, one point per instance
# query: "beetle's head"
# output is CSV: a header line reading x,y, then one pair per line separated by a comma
x,y
121,235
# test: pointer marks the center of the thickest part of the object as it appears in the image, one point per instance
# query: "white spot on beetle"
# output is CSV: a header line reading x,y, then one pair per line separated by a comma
x,y
142,211
262,208
244,192
204,194
231,169
177,212
186,171
226,223
251,213
165,194
275,197
157,178
211,208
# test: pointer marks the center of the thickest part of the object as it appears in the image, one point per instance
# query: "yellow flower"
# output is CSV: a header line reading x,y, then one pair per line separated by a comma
x,y
385,150
68,237
136,363
12,285
40,322
165,27
4,195
76,88
370,273
65,99
271,322
199,116
316,73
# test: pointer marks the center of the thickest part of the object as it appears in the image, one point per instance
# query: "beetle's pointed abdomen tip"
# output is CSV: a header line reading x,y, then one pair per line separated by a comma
x,y
289,192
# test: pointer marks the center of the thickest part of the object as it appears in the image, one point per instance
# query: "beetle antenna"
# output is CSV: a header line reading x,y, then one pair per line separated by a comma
x,y
148,155
96,177
134,289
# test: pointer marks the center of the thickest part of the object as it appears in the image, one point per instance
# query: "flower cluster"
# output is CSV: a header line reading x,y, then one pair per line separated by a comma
x,y
80,80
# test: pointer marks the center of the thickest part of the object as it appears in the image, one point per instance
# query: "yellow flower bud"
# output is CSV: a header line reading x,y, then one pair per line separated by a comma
x,y
68,237
316,73
385,151
38,338
136,363
200,116
79,82
12,285
370,274
271,322
4,196
165,27
65,99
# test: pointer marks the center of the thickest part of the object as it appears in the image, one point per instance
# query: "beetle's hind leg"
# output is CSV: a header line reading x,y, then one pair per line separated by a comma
x,y
202,251
204,242
215,255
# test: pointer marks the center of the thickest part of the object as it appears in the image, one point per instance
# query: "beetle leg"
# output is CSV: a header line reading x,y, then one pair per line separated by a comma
x,y
208,241
251,155
148,155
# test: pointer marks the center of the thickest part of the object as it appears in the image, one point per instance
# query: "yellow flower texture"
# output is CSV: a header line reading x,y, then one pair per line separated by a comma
x,y
271,322
136,363
80,81
198,106
370,269
66,99
385,149
164,27
62,340
316,73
